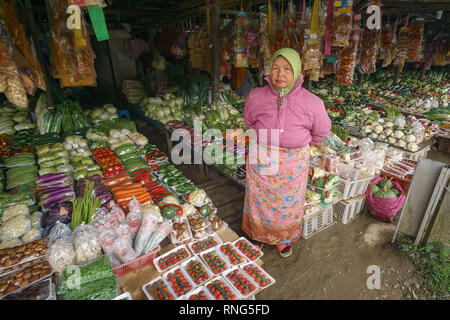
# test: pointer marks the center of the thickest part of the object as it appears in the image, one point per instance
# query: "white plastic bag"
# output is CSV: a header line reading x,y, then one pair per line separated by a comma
x,y
60,254
157,236
60,231
123,250
148,226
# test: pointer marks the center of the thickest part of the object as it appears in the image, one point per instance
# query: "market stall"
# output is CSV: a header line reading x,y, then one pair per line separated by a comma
x,y
82,188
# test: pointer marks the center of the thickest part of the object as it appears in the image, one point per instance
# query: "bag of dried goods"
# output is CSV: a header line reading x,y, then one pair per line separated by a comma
x,y
86,244
61,254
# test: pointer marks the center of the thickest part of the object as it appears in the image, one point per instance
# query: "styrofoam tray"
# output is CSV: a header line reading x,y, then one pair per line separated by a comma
x,y
197,291
243,258
149,296
174,241
216,252
224,225
263,272
222,280
124,296
207,270
157,259
258,251
46,289
206,225
211,236
244,275
188,278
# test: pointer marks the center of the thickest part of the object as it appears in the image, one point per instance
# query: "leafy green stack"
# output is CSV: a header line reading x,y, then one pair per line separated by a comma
x,y
96,282
384,189
85,207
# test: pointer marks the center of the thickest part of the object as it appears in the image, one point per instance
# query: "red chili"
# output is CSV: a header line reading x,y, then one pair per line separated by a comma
x,y
137,172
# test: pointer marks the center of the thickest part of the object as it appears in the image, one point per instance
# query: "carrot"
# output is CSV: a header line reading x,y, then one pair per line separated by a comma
x,y
121,185
128,190
128,195
116,180
143,198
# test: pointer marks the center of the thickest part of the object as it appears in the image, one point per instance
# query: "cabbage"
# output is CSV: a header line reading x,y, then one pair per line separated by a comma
x,y
110,109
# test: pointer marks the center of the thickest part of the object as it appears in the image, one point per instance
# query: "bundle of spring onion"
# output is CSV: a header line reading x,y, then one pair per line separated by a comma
x,y
84,208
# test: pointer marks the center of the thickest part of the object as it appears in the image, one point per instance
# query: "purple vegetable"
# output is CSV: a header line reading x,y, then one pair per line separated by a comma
x,y
61,211
57,198
54,191
62,182
50,177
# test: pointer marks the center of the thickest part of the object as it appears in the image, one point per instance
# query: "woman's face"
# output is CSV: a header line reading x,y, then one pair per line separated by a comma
x,y
282,73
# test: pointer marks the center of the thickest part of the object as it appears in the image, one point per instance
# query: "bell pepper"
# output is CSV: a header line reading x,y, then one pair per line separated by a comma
x,y
205,210
154,167
165,179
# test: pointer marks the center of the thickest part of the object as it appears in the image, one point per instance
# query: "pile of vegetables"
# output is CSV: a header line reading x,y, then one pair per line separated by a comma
x,y
53,159
73,118
23,194
76,146
99,189
84,167
12,120
130,158
118,138
21,170
46,138
54,188
384,189
107,111
23,139
109,163
96,139
86,206
164,109
107,125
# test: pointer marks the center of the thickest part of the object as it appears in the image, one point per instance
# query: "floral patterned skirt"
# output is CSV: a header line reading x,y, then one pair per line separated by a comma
x,y
275,195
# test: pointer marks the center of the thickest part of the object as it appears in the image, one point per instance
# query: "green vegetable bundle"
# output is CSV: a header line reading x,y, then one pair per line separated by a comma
x,y
97,281
84,208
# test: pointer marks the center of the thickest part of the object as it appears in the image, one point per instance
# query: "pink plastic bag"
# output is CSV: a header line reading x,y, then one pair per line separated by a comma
x,y
384,208
134,217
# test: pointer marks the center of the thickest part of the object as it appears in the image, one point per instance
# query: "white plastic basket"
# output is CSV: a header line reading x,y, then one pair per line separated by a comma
x,y
348,210
350,189
316,222
415,156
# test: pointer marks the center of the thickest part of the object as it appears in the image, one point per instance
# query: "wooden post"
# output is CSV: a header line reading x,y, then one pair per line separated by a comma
x,y
208,19
397,73
360,79
422,72
215,51
34,35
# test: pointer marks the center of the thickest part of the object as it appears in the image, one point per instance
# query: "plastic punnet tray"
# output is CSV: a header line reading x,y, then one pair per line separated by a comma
x,y
243,275
242,258
38,290
259,275
183,274
161,284
193,295
205,241
214,252
173,251
221,281
257,251
124,296
185,265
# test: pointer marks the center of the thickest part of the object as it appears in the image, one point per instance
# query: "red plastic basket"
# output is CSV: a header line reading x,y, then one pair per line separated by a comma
x,y
136,263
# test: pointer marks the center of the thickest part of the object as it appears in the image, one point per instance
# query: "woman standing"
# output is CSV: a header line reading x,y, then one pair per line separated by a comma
x,y
273,208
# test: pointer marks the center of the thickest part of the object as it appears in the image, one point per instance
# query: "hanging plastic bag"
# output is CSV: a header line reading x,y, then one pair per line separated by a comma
x,y
384,208
369,46
415,41
346,64
402,47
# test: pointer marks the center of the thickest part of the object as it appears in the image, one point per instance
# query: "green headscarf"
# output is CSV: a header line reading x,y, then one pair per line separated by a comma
x,y
294,59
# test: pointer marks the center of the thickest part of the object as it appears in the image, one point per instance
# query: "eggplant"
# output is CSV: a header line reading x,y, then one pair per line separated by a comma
x,y
62,182
56,192
52,200
50,177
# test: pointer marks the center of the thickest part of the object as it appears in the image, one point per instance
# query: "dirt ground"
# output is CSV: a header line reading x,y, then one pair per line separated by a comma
x,y
332,264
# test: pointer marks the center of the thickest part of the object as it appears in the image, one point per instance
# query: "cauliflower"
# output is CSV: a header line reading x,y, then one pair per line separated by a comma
x,y
14,211
15,227
188,209
197,197
171,199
